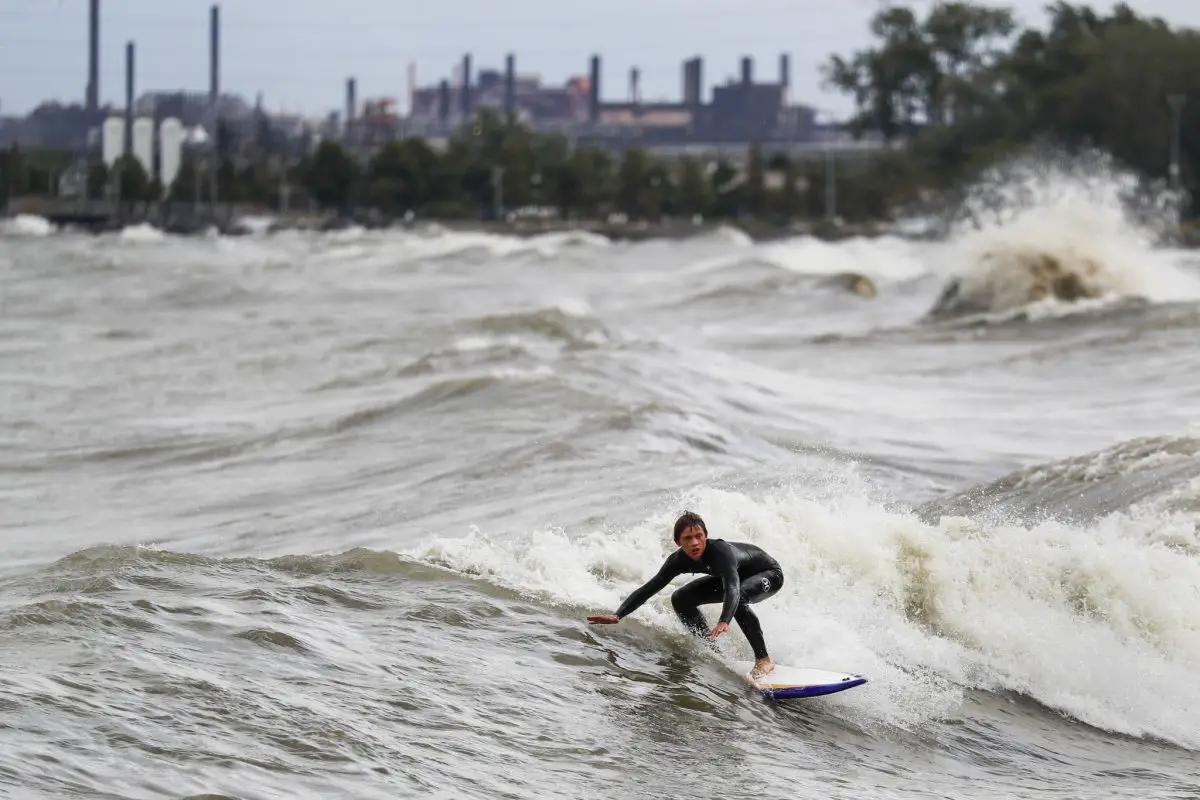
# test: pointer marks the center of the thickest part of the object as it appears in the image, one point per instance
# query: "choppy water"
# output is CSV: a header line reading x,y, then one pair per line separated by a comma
x,y
322,516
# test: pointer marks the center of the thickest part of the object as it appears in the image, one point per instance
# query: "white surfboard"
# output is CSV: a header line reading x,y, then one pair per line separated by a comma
x,y
788,683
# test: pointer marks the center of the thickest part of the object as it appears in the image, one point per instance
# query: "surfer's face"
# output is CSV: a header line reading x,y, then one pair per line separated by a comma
x,y
692,540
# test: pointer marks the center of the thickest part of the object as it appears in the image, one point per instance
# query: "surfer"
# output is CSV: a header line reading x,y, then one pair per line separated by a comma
x,y
738,574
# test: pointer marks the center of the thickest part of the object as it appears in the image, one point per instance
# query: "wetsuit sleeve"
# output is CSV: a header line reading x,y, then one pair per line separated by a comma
x,y
650,588
725,565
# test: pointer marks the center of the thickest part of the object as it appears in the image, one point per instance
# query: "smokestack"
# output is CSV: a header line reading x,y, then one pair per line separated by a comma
x,y
785,72
692,93
93,86
634,75
214,55
351,99
444,101
594,92
412,86
129,68
465,97
510,85
747,71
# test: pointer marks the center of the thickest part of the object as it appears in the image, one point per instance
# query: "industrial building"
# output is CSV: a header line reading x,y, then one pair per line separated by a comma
x,y
727,115
739,111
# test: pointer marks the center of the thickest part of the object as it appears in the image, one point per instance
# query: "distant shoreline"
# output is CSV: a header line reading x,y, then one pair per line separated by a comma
x,y
247,220
186,219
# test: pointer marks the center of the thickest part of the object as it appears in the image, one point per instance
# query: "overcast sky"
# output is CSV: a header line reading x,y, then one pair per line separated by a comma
x,y
299,52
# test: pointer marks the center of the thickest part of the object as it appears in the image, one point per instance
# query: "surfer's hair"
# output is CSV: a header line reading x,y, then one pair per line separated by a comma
x,y
686,520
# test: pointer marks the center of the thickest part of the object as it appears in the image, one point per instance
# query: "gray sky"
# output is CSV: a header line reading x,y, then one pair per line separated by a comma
x,y
299,52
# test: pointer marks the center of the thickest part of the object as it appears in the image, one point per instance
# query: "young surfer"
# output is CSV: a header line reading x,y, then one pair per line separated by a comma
x,y
737,575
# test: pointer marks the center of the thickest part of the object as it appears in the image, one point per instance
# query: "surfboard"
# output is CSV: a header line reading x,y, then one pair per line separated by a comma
x,y
789,683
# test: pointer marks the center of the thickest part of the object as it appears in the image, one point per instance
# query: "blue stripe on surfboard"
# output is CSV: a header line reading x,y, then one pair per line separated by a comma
x,y
791,692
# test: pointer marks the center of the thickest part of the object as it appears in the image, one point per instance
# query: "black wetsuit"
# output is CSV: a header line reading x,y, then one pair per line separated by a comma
x,y
736,575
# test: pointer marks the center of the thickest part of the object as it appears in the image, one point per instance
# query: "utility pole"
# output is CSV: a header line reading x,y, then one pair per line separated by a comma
x,y
214,164
1176,102
827,139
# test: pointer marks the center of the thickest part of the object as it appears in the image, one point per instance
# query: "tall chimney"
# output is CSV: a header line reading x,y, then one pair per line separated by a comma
x,y
444,101
351,100
747,71
129,70
510,85
465,104
692,93
635,75
594,92
214,55
93,86
412,86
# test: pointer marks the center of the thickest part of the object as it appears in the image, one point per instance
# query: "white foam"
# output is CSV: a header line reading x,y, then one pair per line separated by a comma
x,y
352,233
1102,623
733,236
475,344
26,225
256,225
1077,216
576,307
436,242
521,375
143,232
887,258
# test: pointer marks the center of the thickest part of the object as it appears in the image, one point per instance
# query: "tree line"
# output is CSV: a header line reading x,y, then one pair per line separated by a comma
x,y
497,166
486,170
966,85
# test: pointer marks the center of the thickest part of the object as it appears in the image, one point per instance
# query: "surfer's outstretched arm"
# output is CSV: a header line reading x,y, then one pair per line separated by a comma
x,y
640,595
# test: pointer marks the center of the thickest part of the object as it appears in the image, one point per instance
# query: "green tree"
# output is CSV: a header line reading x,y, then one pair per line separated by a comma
x,y
229,188
402,177
583,183
965,87
135,185
786,202
12,173
923,71
696,194
756,192
330,176
183,188
659,193
727,190
97,180
888,82
632,178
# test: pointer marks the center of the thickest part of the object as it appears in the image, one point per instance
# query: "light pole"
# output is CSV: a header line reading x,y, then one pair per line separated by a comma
x,y
830,168
1176,102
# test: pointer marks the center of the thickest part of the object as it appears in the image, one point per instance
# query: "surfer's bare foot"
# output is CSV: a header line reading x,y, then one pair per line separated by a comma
x,y
762,667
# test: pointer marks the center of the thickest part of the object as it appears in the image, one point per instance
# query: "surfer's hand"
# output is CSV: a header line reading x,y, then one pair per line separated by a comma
x,y
604,619
718,629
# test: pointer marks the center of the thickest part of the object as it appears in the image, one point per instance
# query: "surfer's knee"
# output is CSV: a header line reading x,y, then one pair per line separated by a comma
x,y
762,586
